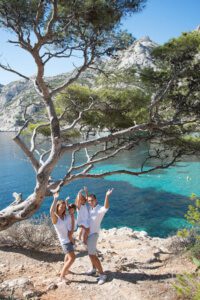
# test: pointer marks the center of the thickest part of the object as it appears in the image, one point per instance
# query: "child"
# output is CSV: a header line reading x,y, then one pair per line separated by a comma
x,y
82,215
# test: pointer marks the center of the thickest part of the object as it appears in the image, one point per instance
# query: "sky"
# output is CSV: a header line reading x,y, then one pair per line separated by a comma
x,y
161,20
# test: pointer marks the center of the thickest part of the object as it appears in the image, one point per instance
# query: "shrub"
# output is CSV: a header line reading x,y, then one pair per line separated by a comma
x,y
195,250
193,232
31,234
188,286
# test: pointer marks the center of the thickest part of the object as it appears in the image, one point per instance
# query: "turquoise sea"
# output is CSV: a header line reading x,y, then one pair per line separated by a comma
x,y
153,202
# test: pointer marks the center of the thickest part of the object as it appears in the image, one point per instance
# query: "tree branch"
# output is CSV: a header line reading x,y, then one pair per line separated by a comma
x,y
9,69
73,124
110,137
91,161
87,62
35,134
28,153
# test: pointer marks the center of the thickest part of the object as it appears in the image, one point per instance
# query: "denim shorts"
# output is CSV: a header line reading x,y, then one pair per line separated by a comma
x,y
69,247
92,243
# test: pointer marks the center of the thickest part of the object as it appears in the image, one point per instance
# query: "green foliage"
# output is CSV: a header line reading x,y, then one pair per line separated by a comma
x,y
21,10
193,217
45,131
193,213
178,71
184,233
196,254
179,50
95,22
113,109
186,143
121,78
188,286
71,134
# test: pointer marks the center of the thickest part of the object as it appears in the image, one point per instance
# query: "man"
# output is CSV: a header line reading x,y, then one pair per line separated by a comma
x,y
96,214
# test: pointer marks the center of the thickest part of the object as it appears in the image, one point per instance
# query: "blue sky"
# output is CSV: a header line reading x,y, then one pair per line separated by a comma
x,y
161,20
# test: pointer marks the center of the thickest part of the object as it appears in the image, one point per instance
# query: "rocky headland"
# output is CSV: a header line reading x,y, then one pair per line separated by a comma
x,y
138,267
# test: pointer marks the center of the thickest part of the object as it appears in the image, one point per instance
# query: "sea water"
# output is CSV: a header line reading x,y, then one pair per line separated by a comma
x,y
154,202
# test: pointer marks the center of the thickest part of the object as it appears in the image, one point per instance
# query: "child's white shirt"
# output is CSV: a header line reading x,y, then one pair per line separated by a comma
x,y
83,216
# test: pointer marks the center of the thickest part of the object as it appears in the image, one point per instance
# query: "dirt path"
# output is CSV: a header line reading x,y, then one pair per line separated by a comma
x,y
138,268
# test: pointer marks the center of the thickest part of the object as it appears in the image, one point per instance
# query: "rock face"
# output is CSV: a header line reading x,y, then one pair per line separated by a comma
x,y
138,55
1,86
16,95
13,97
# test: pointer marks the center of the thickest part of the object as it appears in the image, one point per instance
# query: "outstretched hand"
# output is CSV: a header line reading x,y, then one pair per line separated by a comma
x,y
85,189
109,192
67,200
56,195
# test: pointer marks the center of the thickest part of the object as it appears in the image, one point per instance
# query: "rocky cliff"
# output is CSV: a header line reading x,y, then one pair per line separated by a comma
x,y
138,55
16,95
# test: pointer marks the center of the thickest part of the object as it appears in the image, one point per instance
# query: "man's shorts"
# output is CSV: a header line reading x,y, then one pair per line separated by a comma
x,y
92,243
69,247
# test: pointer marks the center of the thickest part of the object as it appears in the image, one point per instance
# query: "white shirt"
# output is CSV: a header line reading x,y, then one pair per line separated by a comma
x,y
96,215
62,228
83,216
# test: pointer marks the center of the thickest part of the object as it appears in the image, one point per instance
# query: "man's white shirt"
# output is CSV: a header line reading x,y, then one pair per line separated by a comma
x,y
96,215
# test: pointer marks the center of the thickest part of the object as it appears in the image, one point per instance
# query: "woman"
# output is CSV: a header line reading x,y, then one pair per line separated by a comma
x,y
64,226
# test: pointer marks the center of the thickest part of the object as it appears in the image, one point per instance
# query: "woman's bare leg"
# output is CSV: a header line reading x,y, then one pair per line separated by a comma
x,y
80,234
68,261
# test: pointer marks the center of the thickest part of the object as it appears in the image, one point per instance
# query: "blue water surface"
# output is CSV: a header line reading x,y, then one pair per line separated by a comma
x,y
154,202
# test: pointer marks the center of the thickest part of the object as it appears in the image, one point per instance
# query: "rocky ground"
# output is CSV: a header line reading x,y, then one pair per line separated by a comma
x,y
138,267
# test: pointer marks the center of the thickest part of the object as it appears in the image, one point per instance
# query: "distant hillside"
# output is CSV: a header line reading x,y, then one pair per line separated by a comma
x,y
16,95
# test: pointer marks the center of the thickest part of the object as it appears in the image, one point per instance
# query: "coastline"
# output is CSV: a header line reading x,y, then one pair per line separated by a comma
x,y
154,202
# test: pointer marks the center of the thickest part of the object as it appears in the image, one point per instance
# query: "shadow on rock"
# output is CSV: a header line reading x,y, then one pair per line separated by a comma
x,y
135,277
40,255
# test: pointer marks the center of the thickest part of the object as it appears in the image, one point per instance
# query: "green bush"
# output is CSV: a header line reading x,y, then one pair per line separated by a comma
x,y
195,250
193,218
188,286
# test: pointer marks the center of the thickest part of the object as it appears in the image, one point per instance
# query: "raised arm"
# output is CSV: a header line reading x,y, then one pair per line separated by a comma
x,y
54,218
86,192
67,201
106,202
78,199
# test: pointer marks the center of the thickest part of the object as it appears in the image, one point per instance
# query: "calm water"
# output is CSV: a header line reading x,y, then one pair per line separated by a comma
x,y
155,202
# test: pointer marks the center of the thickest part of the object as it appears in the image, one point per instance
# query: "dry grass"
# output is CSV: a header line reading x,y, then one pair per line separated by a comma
x,y
25,235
